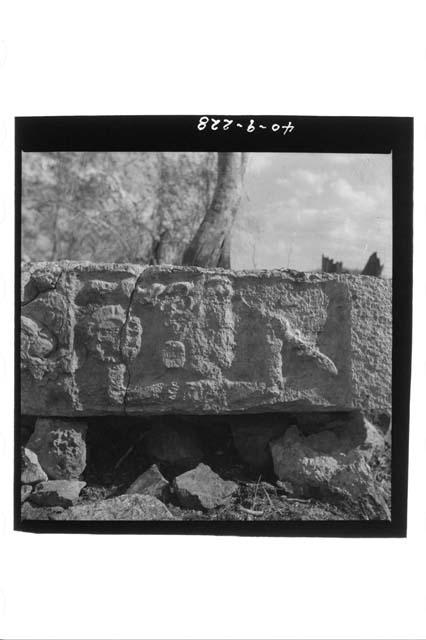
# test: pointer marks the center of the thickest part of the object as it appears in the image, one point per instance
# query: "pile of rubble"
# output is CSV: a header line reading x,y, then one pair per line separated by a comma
x,y
336,461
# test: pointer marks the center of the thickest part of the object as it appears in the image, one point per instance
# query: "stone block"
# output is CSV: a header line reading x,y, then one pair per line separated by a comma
x,y
127,339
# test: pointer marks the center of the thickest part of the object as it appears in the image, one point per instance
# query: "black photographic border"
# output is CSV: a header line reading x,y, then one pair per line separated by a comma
x,y
311,134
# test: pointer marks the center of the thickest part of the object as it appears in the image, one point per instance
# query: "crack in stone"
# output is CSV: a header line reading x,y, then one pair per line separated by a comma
x,y
125,359
24,304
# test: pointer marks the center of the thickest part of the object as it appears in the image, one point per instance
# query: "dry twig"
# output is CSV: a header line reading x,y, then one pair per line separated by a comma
x,y
255,491
269,498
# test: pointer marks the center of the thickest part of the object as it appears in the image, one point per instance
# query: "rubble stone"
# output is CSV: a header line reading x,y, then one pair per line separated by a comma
x,y
60,446
25,491
203,488
60,493
31,471
329,461
151,483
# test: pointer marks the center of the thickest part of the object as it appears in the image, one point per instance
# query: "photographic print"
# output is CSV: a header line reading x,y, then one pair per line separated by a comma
x,y
212,318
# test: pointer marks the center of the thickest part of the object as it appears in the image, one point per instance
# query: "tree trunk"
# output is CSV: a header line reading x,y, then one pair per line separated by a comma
x,y
164,250
211,244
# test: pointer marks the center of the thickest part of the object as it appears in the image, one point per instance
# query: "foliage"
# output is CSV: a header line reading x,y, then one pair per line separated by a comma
x,y
118,207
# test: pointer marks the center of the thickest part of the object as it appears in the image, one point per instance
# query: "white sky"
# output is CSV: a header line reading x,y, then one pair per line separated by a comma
x,y
298,206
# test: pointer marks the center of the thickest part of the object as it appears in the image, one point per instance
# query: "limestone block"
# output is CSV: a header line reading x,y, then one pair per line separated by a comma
x,y
127,339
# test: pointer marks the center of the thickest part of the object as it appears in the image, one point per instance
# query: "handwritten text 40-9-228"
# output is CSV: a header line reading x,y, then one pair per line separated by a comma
x,y
216,124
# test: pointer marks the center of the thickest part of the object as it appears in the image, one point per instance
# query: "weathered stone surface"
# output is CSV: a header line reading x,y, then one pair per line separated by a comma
x,y
60,446
203,488
177,447
110,339
31,471
25,491
151,483
330,461
61,493
125,507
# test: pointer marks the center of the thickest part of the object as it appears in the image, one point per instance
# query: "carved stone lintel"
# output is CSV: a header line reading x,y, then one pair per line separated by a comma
x,y
106,338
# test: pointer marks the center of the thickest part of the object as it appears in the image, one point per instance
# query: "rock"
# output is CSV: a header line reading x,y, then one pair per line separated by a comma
x,y
60,446
151,483
328,461
104,339
29,512
61,493
177,447
31,471
25,491
125,507
252,434
202,488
